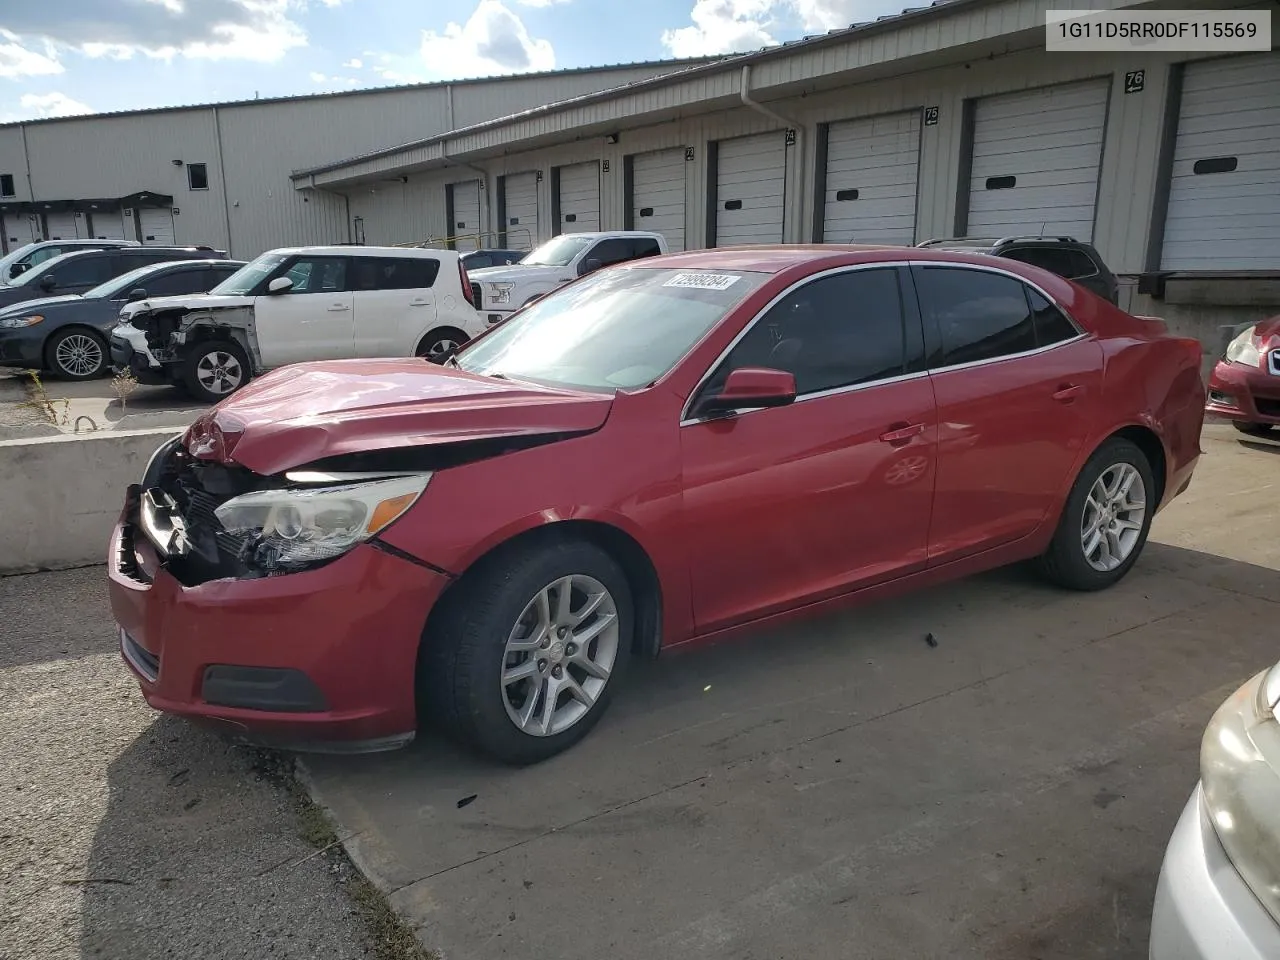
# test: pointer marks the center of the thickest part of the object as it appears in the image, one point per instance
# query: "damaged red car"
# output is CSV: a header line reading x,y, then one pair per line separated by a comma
x,y
1245,384
661,452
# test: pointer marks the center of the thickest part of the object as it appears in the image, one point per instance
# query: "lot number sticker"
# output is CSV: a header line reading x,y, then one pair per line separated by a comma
x,y
702,281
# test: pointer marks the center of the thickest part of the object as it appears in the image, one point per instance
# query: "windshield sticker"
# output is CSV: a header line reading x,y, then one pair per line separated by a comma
x,y
702,281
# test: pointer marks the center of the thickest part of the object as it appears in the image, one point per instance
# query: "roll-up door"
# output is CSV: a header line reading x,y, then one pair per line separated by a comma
x,y
108,225
751,182
580,198
658,194
61,226
1224,192
157,226
466,215
520,197
1036,157
872,169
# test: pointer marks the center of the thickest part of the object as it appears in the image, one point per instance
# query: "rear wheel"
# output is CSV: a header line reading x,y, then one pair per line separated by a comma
x,y
77,355
1105,521
215,370
1252,429
523,659
438,345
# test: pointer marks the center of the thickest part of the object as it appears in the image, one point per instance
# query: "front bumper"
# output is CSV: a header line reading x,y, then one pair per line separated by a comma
x,y
1244,393
1203,908
125,357
319,660
23,346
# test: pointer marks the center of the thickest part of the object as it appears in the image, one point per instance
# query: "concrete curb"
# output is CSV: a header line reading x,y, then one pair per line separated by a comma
x,y
61,495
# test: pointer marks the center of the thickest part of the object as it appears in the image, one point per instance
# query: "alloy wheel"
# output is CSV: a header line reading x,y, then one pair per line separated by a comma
x,y
441,347
559,655
219,372
78,355
1114,514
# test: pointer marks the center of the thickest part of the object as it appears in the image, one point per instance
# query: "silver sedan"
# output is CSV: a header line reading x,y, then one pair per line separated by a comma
x,y
1218,897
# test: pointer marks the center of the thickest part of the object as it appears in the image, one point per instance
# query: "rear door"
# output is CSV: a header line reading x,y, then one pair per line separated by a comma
x,y
395,303
1016,383
313,320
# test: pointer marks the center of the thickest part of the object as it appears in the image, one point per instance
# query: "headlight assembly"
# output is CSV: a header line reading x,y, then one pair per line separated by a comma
x,y
293,528
11,323
500,292
1243,349
1240,778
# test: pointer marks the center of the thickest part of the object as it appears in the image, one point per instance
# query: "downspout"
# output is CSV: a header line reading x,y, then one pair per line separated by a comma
x,y
747,101
222,175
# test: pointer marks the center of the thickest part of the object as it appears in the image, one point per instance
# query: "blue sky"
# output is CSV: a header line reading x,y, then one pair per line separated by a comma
x,y
62,57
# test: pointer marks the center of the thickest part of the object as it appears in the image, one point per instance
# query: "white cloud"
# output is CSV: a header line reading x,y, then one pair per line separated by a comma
x,y
355,63
723,26
317,77
540,3
838,14
493,41
17,60
52,105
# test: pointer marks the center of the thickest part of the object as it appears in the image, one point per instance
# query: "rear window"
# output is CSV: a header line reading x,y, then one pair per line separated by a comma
x,y
617,329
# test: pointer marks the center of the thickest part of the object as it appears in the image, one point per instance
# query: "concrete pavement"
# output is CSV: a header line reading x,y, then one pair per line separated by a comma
x,y
844,790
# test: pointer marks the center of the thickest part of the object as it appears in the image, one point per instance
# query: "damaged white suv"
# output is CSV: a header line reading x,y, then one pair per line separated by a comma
x,y
298,304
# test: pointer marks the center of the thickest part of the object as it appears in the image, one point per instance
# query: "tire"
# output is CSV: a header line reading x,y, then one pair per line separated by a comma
x,y
437,344
77,354
1252,429
465,653
215,369
1065,563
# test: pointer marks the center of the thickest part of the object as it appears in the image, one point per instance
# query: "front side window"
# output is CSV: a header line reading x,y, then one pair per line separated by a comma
x,y
394,273
609,252
836,331
558,251
179,282
117,288
980,315
81,271
317,275
614,330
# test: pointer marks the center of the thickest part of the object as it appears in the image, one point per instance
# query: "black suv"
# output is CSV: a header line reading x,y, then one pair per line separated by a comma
x,y
78,272
1066,256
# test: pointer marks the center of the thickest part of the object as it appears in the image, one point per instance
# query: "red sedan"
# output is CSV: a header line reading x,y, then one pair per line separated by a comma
x,y
657,454
1245,384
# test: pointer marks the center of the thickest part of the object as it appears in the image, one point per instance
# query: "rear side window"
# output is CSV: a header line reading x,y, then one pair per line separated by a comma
x,y
83,271
1052,325
980,316
1065,262
391,273
833,332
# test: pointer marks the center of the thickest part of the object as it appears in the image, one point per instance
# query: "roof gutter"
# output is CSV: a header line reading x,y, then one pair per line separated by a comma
x,y
800,140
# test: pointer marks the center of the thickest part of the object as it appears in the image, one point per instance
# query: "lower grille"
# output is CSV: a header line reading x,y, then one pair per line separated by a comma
x,y
141,659
1268,408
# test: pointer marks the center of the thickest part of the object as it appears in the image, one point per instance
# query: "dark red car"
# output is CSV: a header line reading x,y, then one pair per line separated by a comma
x,y
656,454
1245,384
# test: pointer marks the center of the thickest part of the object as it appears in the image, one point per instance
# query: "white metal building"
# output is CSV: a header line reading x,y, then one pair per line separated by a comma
x,y
943,121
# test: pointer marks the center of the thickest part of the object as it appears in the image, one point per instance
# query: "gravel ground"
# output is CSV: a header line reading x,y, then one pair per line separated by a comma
x,y
125,834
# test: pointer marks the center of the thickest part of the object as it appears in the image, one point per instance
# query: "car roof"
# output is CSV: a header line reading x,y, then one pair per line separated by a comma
x,y
356,250
192,262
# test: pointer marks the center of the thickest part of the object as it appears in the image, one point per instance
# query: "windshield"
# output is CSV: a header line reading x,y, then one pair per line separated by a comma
x,y
246,279
614,330
121,285
558,252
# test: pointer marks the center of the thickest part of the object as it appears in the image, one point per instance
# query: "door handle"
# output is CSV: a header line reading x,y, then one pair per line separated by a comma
x,y
1068,392
338,308
899,436
419,303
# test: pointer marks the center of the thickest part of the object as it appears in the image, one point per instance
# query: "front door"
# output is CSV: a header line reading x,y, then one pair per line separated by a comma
x,y
1015,387
395,304
793,504
312,320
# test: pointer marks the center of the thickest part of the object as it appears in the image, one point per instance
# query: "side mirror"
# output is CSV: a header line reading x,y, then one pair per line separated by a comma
x,y
751,387
137,293
18,269
280,285
47,282
590,265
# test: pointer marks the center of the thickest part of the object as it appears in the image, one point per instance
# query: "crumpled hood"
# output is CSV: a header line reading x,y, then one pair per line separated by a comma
x,y
516,272
1268,333
27,306
306,412
133,311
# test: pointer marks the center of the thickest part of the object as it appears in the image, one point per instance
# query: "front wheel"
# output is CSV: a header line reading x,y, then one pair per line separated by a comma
x,y
215,370
1252,429
77,355
1105,521
524,658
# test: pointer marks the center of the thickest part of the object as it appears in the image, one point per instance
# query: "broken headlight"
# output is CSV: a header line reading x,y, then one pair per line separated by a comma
x,y
294,528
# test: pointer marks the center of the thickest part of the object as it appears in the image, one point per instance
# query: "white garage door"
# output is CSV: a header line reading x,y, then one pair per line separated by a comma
x,y
1224,196
872,168
521,199
657,194
1035,161
61,226
580,198
466,215
108,225
751,180
157,226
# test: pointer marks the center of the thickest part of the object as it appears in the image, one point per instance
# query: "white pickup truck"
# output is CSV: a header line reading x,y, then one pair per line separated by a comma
x,y
298,304
560,260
